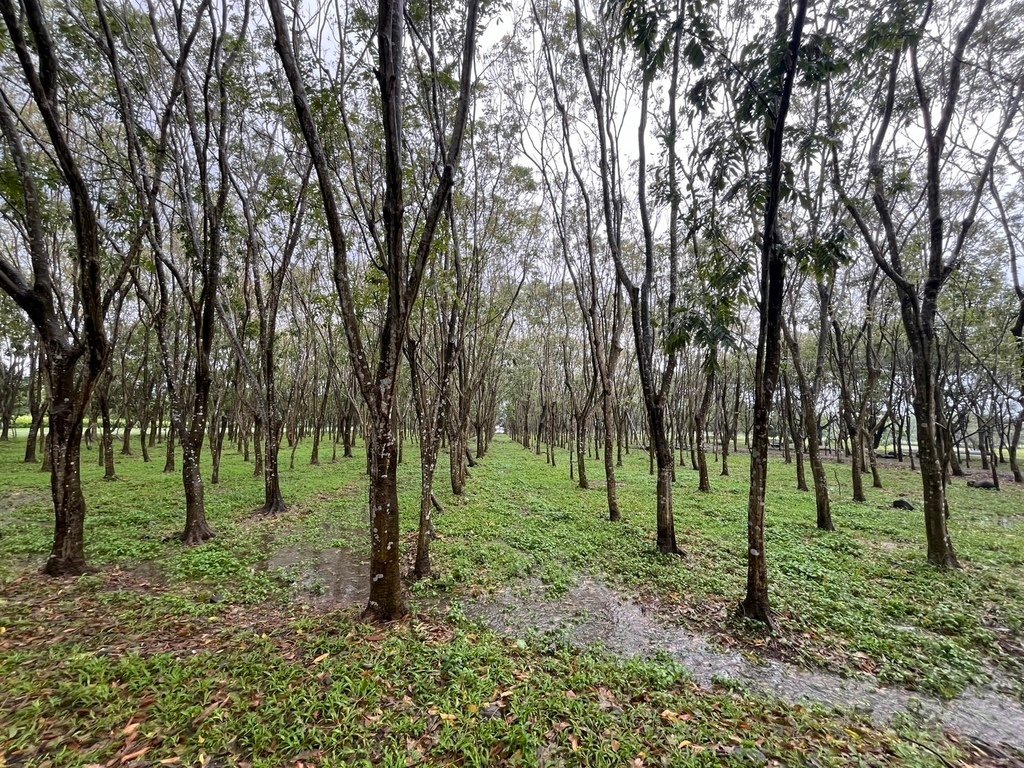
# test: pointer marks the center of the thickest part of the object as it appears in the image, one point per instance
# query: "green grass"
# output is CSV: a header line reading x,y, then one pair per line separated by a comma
x,y
329,691
83,660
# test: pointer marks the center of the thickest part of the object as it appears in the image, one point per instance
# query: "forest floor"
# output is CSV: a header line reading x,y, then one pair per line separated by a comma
x,y
548,635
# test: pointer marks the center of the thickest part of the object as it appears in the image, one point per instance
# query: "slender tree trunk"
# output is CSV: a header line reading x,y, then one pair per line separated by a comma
x,y
793,420
662,450
428,465
169,458
34,433
1014,444
581,450
126,441
933,478
701,423
257,448
611,482
142,441
756,604
35,404
273,501
218,448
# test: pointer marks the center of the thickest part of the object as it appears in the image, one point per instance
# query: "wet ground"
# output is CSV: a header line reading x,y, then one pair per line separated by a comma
x,y
330,578
592,613
13,501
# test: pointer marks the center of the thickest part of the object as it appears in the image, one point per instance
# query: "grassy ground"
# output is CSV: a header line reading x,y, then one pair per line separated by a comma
x,y
197,656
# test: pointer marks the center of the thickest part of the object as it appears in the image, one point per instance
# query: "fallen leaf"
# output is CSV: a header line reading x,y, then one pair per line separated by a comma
x,y
134,755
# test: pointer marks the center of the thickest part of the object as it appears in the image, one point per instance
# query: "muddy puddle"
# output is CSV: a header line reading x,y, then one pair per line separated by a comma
x,y
591,613
14,501
331,578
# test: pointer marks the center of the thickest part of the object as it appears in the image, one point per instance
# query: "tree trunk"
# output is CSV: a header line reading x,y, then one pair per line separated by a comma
x,y
197,530
142,441
611,482
457,457
755,603
273,501
1014,443
63,445
700,423
425,533
106,458
257,448
218,449
581,450
34,433
126,441
387,602
933,478
36,407
169,460
662,450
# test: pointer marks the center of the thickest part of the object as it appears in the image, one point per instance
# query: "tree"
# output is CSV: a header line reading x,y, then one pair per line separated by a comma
x,y
779,87
935,80
402,269
76,346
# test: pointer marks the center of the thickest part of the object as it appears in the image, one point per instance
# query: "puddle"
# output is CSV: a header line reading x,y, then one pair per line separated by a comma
x,y
13,501
147,573
592,613
330,578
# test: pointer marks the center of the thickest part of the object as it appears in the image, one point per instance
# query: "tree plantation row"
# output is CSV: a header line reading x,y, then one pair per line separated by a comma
x,y
687,228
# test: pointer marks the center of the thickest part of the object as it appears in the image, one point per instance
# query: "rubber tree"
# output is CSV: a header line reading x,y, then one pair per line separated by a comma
x,y
655,364
599,298
782,67
75,345
402,264
185,185
920,63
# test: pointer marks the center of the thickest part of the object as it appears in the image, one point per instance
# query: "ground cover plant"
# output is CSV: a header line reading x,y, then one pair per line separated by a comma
x,y
200,654
540,382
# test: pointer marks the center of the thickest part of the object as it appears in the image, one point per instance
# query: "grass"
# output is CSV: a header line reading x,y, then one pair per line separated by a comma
x,y
196,655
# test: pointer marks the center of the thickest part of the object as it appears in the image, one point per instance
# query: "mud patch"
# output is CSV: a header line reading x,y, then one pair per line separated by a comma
x,y
13,501
328,579
592,613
